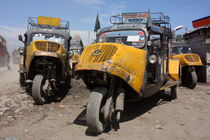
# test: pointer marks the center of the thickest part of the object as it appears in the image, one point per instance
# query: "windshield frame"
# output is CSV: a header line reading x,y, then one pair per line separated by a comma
x,y
181,50
29,42
137,30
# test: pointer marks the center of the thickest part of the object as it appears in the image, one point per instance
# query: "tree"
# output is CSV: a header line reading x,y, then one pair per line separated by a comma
x,y
97,24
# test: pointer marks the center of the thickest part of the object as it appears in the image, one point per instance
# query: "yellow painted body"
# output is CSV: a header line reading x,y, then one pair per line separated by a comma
x,y
73,61
174,66
189,59
49,21
75,58
123,61
45,48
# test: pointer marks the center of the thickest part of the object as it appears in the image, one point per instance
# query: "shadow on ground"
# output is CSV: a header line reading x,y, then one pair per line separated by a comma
x,y
57,97
132,110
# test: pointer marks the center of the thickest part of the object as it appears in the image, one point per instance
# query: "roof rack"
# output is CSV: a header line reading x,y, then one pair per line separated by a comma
x,y
157,19
47,22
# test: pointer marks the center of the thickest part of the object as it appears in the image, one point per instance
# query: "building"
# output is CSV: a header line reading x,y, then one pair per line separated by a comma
x,y
199,41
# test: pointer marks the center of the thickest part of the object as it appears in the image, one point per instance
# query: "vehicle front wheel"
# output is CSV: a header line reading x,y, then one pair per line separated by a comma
x,y
22,80
173,94
95,115
37,92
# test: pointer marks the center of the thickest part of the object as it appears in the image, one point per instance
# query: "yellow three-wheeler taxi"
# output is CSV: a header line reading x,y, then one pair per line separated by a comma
x,y
131,59
44,59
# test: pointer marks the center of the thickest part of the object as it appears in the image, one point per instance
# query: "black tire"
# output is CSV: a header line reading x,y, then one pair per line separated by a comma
x,y
95,121
174,91
68,82
22,80
37,93
192,80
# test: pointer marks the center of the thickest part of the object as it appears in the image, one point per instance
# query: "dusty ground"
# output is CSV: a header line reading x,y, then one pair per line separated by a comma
x,y
185,118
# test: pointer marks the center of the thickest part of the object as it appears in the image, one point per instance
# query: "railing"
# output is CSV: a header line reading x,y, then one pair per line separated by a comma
x,y
33,22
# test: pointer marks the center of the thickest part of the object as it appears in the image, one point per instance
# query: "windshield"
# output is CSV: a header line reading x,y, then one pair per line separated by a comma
x,y
76,48
49,37
180,50
131,38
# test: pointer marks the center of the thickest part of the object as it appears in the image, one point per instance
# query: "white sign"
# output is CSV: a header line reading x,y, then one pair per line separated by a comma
x,y
208,73
208,41
208,57
133,38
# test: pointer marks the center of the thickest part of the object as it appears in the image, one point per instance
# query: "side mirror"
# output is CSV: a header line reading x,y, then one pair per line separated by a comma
x,y
21,50
20,38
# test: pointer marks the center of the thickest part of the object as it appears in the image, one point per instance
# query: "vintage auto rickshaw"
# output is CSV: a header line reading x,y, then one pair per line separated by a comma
x,y
75,52
44,60
15,56
188,62
130,61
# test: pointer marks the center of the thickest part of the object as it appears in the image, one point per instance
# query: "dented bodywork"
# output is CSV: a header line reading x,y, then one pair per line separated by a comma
x,y
123,61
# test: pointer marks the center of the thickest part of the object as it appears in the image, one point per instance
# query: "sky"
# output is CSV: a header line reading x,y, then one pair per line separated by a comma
x,y
82,13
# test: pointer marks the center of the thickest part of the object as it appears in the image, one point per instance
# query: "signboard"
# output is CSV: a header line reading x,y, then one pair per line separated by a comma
x,y
138,18
49,21
208,73
208,41
208,58
133,38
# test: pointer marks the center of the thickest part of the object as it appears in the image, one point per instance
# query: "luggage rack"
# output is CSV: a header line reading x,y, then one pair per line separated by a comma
x,y
157,19
33,23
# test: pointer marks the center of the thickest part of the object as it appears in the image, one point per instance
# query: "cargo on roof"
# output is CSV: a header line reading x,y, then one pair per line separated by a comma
x,y
49,21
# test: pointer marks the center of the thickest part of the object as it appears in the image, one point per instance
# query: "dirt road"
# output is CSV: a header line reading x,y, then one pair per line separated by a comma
x,y
188,117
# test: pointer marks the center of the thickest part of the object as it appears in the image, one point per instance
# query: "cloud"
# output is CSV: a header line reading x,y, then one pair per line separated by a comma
x,y
11,32
11,36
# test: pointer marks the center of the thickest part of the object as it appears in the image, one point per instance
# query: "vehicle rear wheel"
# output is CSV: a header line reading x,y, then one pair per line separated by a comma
x,y
37,92
22,79
95,115
173,94
192,80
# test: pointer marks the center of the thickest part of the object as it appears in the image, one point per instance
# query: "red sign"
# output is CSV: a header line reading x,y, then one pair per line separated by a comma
x,y
135,17
201,22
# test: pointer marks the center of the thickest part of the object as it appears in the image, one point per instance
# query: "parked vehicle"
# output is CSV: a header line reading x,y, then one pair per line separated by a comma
x,y
129,61
4,54
75,52
44,60
15,56
188,61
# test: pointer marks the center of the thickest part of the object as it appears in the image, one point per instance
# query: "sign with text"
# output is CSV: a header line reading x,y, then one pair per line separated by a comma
x,y
138,18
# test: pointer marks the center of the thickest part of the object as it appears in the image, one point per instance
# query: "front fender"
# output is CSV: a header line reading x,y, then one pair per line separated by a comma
x,y
127,62
190,59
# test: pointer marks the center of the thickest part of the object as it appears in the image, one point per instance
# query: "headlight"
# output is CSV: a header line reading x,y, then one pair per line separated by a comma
x,y
152,59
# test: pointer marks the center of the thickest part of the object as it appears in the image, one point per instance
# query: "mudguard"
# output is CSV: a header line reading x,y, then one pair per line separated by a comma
x,y
174,69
